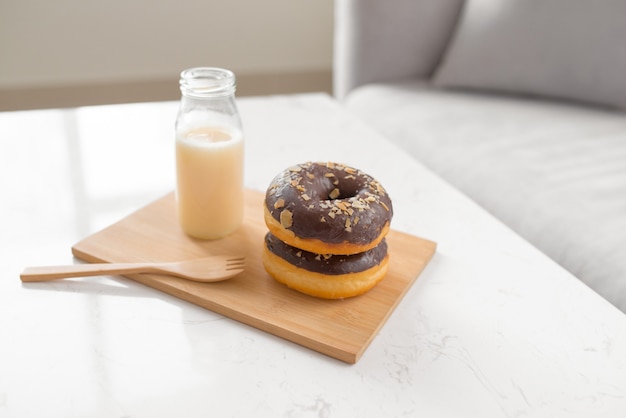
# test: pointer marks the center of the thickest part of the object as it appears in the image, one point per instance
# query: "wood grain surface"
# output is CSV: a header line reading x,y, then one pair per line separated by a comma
x,y
342,329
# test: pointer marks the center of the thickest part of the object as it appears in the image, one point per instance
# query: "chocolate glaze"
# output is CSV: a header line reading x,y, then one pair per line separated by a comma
x,y
327,264
330,202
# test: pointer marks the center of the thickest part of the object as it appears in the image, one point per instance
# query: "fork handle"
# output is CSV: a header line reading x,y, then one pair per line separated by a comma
x,y
45,273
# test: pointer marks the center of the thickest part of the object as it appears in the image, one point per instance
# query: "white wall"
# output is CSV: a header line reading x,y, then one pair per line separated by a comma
x,y
66,42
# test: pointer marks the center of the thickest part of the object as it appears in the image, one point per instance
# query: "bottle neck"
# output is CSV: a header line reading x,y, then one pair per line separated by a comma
x,y
208,99
207,83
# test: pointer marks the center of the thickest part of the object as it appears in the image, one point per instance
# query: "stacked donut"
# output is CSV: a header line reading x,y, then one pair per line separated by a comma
x,y
327,225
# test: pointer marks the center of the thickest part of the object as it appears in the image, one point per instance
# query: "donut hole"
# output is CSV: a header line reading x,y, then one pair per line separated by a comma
x,y
343,190
340,195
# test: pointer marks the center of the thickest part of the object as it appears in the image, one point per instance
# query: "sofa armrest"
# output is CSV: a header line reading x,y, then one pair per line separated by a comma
x,y
387,40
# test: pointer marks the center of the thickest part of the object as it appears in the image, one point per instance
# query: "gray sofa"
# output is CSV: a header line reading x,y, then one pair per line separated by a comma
x,y
517,103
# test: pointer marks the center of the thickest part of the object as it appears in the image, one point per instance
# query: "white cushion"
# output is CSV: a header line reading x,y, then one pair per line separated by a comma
x,y
569,49
554,173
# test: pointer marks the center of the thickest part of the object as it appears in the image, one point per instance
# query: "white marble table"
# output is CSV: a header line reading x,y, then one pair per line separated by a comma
x,y
492,328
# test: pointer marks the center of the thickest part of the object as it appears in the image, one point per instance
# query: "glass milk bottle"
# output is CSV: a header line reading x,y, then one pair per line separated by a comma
x,y
209,154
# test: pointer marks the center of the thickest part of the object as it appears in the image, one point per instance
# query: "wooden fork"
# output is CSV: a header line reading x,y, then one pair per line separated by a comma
x,y
207,269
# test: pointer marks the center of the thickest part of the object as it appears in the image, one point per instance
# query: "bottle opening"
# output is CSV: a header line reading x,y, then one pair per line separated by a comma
x,y
207,82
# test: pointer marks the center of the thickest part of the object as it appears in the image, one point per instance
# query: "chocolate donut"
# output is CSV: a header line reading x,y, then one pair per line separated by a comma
x,y
327,208
325,275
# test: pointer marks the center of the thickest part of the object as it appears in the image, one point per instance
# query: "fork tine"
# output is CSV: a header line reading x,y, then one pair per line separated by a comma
x,y
235,261
235,267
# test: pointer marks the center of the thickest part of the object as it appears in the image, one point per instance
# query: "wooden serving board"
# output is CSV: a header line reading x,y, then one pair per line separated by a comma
x,y
342,329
